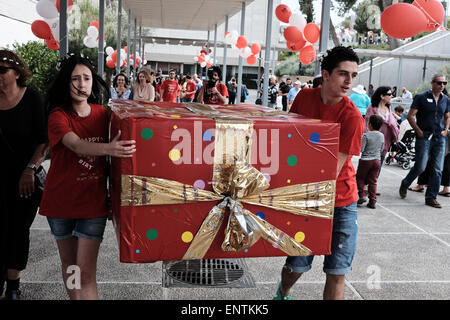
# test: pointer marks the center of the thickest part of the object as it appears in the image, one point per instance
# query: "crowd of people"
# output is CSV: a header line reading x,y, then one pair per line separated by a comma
x,y
72,125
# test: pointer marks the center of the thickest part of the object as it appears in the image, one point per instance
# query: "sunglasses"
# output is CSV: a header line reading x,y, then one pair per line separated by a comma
x,y
440,83
388,94
4,69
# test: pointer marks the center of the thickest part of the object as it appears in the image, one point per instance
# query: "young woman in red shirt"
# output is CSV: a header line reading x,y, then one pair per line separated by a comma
x,y
75,193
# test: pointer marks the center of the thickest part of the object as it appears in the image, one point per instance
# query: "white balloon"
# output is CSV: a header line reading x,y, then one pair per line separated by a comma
x,y
195,58
92,32
90,42
203,64
297,20
234,36
228,38
207,58
108,58
54,27
109,51
123,53
245,52
47,9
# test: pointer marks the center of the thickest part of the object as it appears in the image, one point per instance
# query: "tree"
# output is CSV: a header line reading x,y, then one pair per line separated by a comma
x,y
365,20
41,61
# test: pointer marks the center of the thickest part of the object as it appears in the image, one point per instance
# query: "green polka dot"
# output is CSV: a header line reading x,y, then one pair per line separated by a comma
x,y
152,234
175,210
147,134
292,160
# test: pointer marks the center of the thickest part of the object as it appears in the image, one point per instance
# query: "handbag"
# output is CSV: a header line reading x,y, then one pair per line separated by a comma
x,y
40,175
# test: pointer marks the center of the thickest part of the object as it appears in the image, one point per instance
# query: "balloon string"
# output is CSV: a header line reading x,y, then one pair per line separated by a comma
x,y
427,14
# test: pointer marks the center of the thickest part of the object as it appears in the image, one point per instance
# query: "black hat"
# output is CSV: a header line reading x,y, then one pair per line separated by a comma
x,y
214,69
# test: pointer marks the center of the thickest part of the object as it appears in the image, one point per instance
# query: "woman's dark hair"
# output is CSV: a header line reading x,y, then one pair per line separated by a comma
x,y
117,76
59,92
18,65
335,56
376,97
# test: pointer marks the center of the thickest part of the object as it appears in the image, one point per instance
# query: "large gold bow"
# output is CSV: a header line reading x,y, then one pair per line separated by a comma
x,y
235,182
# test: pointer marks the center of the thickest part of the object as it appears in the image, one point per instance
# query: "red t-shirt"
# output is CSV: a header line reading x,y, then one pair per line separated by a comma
x,y
209,97
171,89
309,103
191,87
76,184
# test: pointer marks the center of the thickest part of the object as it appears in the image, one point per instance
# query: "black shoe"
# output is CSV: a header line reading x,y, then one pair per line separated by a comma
x,y
12,295
361,201
403,191
433,203
371,206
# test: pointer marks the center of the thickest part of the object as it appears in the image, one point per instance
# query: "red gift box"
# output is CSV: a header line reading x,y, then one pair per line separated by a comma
x,y
177,144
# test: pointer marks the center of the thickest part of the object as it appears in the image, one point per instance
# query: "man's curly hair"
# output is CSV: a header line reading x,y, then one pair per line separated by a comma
x,y
333,57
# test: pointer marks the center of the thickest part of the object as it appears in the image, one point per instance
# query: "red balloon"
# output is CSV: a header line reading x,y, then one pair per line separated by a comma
x,y
114,55
403,20
434,12
251,59
292,34
283,13
57,4
311,32
307,54
296,46
41,29
241,42
52,44
111,64
256,48
95,24
126,49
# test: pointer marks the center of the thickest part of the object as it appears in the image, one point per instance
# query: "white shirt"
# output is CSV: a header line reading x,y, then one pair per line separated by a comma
x,y
407,95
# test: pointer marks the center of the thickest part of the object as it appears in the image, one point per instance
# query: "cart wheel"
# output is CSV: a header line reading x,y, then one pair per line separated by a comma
x,y
405,165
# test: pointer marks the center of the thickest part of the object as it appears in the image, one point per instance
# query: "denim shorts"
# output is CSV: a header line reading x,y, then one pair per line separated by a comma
x,y
91,229
343,245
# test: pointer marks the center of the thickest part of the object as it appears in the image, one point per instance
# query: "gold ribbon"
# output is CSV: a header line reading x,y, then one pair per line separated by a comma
x,y
235,182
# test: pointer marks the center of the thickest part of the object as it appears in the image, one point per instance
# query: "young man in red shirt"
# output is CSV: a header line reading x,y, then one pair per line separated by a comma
x,y
191,87
213,91
329,102
170,88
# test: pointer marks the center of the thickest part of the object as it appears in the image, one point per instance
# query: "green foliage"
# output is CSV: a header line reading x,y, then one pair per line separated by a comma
x,y
41,61
445,70
290,66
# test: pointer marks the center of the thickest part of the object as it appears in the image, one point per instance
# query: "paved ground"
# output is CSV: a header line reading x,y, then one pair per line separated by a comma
x,y
403,253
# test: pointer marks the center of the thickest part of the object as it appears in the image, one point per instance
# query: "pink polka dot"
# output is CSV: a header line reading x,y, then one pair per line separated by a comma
x,y
322,171
267,176
199,184
153,164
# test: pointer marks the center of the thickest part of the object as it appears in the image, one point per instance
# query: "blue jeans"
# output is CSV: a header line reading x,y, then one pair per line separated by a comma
x,y
91,228
343,245
432,150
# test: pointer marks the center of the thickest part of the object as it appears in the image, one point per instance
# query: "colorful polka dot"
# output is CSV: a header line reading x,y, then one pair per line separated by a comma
x,y
138,251
322,171
261,215
208,135
267,176
153,164
314,137
175,116
299,236
152,234
175,127
288,180
288,223
289,135
175,210
147,134
199,184
292,160
174,154
187,237
246,250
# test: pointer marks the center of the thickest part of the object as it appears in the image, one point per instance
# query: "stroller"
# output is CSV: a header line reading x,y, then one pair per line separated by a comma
x,y
402,151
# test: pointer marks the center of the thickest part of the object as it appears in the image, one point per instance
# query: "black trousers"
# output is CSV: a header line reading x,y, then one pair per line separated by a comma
x,y
17,216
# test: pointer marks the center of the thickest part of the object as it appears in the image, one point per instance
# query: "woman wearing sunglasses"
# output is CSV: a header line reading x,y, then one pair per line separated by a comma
x,y
381,105
23,137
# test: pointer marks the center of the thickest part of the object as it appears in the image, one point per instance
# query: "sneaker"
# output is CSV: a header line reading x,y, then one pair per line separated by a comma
x,y
280,296
361,201
371,205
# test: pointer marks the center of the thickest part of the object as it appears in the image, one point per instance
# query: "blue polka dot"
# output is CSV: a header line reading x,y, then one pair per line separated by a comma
x,y
138,251
208,135
306,219
289,135
282,117
246,250
314,137
261,215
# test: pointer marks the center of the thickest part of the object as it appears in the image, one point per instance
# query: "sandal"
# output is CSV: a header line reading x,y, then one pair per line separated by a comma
x,y
445,194
416,190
